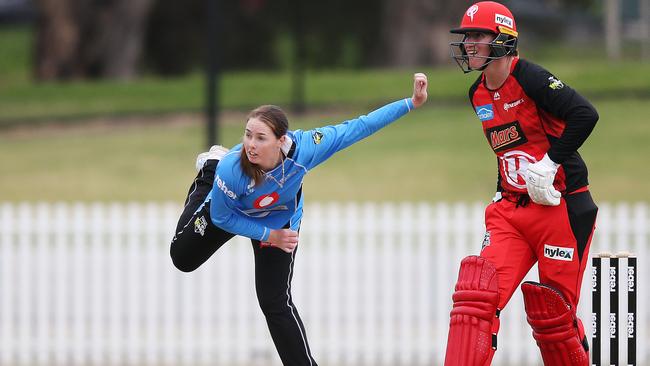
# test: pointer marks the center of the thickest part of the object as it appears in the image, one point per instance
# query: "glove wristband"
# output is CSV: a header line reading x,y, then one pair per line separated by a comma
x,y
546,160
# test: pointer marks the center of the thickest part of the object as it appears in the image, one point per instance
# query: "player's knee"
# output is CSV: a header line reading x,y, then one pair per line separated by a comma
x,y
273,304
181,260
477,292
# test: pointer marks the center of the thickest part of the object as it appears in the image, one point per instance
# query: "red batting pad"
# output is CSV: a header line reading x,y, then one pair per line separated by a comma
x,y
556,327
474,322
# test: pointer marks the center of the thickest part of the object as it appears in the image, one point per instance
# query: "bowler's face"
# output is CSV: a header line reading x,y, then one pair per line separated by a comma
x,y
260,144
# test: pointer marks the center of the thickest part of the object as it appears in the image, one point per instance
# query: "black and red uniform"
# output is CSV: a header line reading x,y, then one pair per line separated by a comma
x,y
531,114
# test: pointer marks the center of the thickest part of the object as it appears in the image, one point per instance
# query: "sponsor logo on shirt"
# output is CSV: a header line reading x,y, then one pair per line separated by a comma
x,y
200,224
485,112
507,106
317,136
505,136
222,186
558,253
503,20
497,96
555,83
266,200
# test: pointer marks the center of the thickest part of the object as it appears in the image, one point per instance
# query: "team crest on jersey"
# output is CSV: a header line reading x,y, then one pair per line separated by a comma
x,y
200,224
506,136
555,83
317,136
485,112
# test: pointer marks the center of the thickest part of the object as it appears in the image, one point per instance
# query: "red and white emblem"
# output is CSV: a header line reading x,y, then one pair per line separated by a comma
x,y
515,164
266,200
472,11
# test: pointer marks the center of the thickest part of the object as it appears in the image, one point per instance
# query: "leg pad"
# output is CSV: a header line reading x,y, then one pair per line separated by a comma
x,y
556,327
474,318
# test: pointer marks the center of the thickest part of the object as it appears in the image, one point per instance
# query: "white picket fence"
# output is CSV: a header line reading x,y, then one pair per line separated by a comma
x,y
93,284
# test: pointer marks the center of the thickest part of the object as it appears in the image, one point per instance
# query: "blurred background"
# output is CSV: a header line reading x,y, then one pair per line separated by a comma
x,y
104,105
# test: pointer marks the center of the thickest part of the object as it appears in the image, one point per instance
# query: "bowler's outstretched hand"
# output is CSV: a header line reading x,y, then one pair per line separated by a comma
x,y
419,89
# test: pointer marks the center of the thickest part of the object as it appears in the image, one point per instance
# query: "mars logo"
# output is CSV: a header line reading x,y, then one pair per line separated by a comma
x,y
506,136
472,11
514,164
266,200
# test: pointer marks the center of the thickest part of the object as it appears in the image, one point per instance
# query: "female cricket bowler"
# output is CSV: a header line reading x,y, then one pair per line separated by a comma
x,y
543,211
255,190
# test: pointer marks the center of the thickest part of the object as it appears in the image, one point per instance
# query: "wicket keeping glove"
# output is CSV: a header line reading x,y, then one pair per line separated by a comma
x,y
539,182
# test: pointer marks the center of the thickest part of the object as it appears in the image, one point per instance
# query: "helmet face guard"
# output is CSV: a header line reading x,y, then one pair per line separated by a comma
x,y
502,45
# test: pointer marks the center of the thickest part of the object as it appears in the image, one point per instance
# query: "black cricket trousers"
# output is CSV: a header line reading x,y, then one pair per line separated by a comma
x,y
196,239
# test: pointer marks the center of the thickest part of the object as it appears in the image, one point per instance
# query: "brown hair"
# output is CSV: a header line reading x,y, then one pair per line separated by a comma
x,y
277,120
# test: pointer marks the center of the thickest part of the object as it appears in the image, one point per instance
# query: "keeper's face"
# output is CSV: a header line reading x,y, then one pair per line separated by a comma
x,y
477,46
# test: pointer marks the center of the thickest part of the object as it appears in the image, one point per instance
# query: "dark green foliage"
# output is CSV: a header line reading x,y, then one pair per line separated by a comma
x,y
260,34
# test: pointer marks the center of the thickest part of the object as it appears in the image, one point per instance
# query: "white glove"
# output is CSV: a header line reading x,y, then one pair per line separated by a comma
x,y
539,182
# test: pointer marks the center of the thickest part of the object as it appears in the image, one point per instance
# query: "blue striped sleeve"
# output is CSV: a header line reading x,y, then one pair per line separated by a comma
x,y
320,144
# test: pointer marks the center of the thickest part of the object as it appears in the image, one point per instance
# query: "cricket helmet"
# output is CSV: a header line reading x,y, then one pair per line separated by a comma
x,y
486,17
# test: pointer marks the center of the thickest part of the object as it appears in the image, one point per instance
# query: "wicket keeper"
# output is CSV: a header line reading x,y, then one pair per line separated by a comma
x,y
542,212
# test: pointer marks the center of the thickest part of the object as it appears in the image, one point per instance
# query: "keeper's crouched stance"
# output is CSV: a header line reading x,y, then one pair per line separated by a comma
x,y
543,211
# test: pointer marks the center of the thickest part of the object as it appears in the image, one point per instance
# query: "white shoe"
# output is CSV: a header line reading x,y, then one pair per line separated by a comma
x,y
217,152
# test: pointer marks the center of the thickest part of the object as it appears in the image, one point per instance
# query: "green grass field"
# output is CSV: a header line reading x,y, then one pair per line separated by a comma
x,y
436,153
125,140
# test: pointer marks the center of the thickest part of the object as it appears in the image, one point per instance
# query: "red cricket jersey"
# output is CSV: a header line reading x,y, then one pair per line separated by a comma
x,y
533,113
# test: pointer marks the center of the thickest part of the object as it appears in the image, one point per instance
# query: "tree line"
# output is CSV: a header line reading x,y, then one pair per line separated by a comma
x,y
77,39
